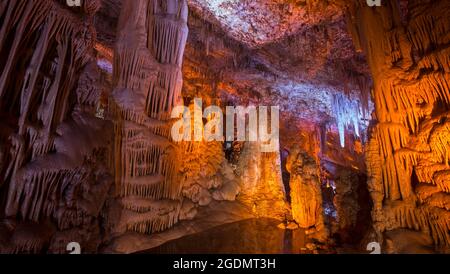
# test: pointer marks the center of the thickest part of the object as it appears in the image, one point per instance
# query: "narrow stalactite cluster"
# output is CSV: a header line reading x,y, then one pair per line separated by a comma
x,y
407,155
56,154
348,113
147,78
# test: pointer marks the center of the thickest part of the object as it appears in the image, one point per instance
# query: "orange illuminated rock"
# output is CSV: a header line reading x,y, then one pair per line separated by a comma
x,y
306,194
407,156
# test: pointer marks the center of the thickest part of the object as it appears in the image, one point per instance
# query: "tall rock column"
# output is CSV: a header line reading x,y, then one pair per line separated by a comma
x,y
306,193
261,184
407,44
151,39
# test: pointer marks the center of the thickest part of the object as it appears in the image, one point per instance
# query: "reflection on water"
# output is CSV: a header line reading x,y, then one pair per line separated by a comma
x,y
254,236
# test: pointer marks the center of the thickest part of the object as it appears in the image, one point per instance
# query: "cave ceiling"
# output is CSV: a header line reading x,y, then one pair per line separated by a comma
x,y
259,22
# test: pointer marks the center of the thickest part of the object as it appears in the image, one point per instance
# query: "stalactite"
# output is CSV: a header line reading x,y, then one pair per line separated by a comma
x,y
38,182
168,36
207,176
144,216
24,238
347,113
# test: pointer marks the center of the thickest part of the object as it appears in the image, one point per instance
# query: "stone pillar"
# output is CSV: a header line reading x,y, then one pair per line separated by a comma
x,y
406,44
306,194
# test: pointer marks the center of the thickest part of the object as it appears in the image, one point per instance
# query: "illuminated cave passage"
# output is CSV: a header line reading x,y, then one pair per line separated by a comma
x,y
87,147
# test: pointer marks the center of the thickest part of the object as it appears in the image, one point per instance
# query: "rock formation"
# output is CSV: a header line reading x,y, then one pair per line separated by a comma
x,y
407,49
261,184
148,81
56,155
306,193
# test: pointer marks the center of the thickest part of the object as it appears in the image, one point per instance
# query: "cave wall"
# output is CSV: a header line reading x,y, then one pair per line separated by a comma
x,y
55,153
407,47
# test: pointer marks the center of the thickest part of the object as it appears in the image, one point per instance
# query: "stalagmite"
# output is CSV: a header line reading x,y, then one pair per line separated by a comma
x,y
306,194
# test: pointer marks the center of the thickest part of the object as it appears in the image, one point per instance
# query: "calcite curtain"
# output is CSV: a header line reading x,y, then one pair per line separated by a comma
x,y
407,155
148,81
55,154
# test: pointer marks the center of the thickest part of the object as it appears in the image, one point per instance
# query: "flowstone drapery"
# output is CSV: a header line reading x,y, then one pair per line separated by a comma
x,y
55,152
148,80
407,47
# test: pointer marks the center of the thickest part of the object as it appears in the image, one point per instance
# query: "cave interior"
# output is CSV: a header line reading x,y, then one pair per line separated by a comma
x,y
87,149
